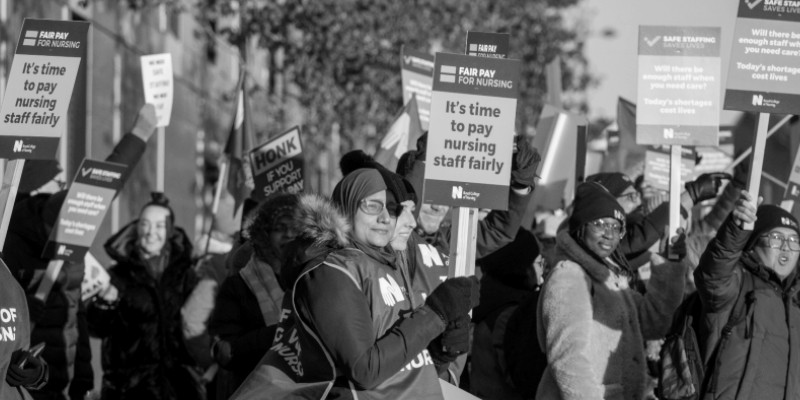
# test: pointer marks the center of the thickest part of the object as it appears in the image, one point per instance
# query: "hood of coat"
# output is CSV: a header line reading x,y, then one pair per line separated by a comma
x,y
121,247
321,229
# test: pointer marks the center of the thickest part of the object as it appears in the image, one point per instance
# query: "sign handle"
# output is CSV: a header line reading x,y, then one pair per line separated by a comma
x,y
674,192
160,160
749,150
49,278
759,144
8,194
462,245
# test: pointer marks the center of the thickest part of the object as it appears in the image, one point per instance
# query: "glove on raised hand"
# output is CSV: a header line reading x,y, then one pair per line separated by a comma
x,y
454,298
524,164
706,186
27,370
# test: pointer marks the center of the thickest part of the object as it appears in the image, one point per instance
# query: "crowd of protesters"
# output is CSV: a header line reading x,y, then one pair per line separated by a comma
x,y
350,296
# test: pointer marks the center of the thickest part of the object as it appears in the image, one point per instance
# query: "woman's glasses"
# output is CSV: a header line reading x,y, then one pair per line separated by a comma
x,y
375,207
776,241
599,226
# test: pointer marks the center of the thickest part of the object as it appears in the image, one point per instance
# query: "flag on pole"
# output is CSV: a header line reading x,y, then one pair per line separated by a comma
x,y
240,141
402,135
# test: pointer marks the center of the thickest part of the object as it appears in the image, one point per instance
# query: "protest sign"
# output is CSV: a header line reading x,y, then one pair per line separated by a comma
x,y
33,116
470,142
763,74
158,85
89,197
417,75
679,83
484,44
95,278
277,165
657,167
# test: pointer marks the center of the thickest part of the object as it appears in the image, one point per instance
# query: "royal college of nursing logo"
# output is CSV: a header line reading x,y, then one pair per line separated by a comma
x,y
390,291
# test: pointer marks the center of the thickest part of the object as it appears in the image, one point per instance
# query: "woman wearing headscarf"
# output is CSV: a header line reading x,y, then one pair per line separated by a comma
x,y
748,283
144,356
591,324
249,301
352,326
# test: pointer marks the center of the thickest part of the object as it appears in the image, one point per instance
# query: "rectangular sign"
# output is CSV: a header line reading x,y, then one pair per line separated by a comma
x,y
484,44
90,194
657,165
470,141
158,85
34,112
277,165
763,74
417,75
679,84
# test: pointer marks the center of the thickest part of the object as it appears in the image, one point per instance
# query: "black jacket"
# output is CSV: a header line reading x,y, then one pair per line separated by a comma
x,y
760,357
143,350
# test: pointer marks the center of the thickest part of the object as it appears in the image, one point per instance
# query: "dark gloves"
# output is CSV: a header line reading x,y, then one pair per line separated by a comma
x,y
35,309
454,342
706,186
677,246
454,298
27,370
524,164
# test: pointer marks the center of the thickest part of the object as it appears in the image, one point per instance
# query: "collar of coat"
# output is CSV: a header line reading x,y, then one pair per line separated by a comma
x,y
567,248
791,286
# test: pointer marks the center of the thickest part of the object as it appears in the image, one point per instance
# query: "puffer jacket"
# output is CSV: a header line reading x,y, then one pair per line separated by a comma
x,y
144,356
592,325
349,328
760,357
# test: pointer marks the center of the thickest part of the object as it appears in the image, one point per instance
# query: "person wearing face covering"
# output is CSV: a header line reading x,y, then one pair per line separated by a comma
x,y
591,324
751,276
352,327
138,318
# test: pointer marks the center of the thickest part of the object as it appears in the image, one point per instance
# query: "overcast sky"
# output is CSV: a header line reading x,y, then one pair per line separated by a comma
x,y
613,60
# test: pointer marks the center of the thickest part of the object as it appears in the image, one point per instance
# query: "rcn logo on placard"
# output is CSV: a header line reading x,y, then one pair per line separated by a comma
x,y
458,192
758,100
61,250
21,147
390,291
669,133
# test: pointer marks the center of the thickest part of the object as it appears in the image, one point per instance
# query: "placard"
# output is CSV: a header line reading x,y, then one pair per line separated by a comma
x,y
679,84
763,74
87,201
277,165
417,76
40,83
470,141
158,85
657,165
484,44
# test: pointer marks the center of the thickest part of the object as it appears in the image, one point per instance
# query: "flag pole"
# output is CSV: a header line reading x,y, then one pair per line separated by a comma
x,y
223,172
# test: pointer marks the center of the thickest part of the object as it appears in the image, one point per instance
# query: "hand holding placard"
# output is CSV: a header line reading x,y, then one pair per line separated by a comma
x,y
146,122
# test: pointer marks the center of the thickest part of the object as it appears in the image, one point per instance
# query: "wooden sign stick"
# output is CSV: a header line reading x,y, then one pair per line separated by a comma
x,y
674,192
759,144
463,243
8,194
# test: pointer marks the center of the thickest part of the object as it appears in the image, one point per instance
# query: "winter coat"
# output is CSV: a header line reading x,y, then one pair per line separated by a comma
x,y
62,324
15,330
144,356
352,313
592,325
760,358
488,375
239,320
495,231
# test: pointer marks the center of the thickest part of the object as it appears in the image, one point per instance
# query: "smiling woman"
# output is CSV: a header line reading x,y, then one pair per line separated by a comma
x,y
592,322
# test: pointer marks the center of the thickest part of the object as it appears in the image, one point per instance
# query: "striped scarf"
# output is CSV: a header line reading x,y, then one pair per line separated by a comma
x,y
261,280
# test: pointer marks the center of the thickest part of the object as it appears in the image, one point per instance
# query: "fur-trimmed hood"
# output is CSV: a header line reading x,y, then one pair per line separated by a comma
x,y
321,222
321,228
